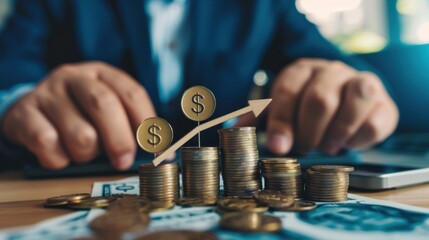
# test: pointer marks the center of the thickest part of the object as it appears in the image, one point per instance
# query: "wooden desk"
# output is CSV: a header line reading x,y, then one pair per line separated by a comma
x,y
21,200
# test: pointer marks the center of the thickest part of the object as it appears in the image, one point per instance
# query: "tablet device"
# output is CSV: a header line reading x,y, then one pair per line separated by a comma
x,y
380,177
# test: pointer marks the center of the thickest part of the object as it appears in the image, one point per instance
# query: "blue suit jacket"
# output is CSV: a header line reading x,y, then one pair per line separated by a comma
x,y
230,41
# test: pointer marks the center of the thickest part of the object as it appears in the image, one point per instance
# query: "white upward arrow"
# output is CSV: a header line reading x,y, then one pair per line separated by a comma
x,y
255,106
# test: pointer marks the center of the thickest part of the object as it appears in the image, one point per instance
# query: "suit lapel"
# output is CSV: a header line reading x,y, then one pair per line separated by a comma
x,y
136,26
198,62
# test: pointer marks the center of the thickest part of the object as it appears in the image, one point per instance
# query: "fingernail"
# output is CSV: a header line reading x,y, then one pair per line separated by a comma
x,y
279,143
125,161
333,147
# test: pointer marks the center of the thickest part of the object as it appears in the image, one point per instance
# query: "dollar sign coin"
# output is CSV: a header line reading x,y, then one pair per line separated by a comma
x,y
198,103
156,138
154,135
199,108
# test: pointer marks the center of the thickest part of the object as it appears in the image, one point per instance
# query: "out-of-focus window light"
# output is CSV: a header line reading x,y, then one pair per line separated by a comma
x,y
410,7
356,26
5,8
414,20
260,78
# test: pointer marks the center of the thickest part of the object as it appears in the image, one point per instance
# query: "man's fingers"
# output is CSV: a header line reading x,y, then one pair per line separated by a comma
x,y
247,119
77,134
38,135
285,94
361,95
319,104
376,128
108,115
133,96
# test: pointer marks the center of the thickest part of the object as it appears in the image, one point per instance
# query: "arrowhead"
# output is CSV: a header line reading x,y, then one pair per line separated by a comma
x,y
259,105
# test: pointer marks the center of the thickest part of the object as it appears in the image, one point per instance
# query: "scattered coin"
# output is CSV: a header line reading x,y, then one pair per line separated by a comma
x,y
297,206
64,200
116,223
245,205
274,199
198,103
250,222
93,202
154,135
178,235
130,203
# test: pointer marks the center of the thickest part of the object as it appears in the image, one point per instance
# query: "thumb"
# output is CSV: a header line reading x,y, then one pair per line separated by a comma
x,y
279,131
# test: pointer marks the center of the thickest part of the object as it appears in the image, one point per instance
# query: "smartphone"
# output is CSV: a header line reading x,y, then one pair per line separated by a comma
x,y
379,177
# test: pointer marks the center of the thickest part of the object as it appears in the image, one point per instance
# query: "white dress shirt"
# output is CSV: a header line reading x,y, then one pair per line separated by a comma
x,y
169,36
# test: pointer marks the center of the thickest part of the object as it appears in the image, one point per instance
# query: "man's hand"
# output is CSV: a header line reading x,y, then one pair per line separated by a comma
x,y
330,106
78,110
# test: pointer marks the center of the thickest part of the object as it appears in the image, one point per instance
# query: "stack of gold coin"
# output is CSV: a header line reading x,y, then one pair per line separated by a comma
x,y
283,174
200,172
328,183
159,183
240,161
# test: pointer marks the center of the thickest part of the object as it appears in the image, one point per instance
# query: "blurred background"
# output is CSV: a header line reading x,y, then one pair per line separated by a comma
x,y
391,35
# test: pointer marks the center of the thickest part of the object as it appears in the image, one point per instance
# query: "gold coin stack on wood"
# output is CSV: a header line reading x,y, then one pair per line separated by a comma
x,y
283,174
200,172
240,161
328,183
159,183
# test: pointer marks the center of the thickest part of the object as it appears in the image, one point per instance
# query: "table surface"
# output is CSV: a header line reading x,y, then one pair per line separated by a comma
x,y
21,200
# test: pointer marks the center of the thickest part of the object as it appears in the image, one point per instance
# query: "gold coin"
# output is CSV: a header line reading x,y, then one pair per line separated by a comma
x,y
198,103
332,168
247,205
178,235
63,200
134,204
298,206
274,199
279,160
154,135
196,202
120,222
250,222
159,206
93,202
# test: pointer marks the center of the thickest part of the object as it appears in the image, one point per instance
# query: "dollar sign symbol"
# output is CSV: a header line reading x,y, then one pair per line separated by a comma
x,y
156,139
199,106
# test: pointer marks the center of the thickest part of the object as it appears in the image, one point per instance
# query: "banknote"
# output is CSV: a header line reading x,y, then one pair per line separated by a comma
x,y
357,218
65,227
124,186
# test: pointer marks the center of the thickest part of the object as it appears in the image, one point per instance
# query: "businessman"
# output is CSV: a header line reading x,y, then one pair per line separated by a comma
x,y
79,76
